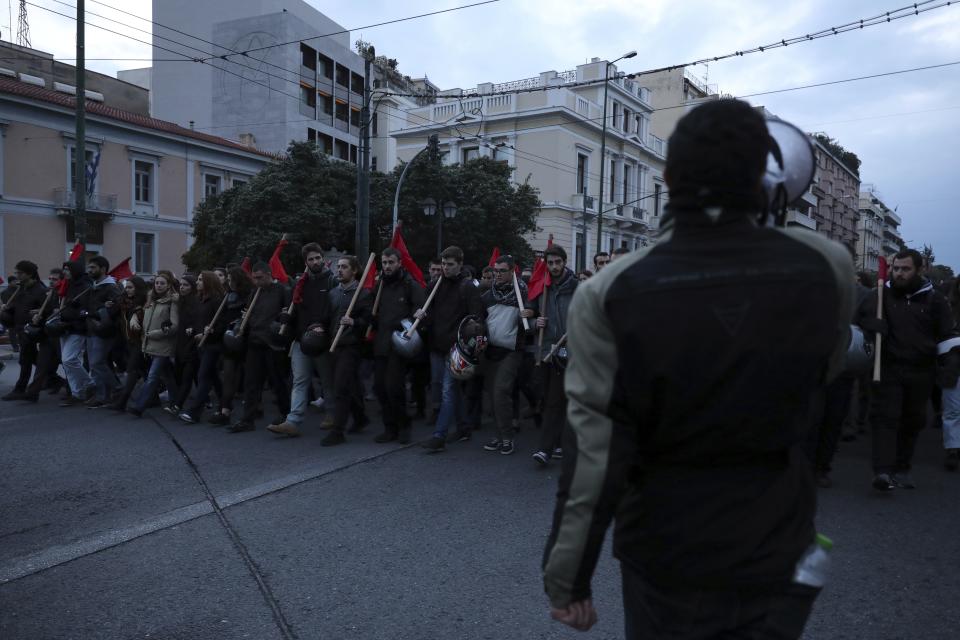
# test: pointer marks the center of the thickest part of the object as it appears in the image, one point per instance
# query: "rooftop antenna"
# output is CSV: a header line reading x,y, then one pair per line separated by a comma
x,y
23,30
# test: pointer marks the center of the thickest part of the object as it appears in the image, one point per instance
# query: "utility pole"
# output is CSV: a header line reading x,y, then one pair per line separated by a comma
x,y
80,147
363,163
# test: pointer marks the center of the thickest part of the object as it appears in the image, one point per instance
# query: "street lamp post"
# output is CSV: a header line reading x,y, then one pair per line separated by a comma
x,y
603,145
449,211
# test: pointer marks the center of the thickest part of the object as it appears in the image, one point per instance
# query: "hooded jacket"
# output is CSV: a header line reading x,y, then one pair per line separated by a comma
x,y
456,298
161,318
340,298
917,322
272,300
315,306
400,296
73,302
104,291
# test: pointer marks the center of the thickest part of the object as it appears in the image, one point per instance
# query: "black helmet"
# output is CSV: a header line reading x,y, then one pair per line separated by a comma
x,y
279,341
314,343
54,326
233,342
465,353
100,323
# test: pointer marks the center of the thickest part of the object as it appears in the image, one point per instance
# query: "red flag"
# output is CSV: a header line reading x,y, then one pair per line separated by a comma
x,y
406,260
276,267
245,265
76,253
371,280
122,271
882,269
539,280
62,287
494,256
298,289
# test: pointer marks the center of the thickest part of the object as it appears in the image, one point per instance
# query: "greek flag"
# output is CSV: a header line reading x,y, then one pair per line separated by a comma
x,y
92,169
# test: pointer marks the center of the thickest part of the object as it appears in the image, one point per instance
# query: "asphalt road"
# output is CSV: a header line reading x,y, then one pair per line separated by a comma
x,y
113,527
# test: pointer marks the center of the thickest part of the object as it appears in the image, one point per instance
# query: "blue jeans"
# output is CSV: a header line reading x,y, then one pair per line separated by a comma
x,y
98,354
451,398
303,367
951,417
72,347
161,368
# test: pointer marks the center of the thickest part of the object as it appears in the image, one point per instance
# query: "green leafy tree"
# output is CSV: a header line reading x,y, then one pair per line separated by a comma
x,y
849,159
312,198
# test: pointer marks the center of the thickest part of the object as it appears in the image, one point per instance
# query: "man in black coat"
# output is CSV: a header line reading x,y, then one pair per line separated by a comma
x,y
262,359
101,312
73,344
26,300
916,319
399,296
311,295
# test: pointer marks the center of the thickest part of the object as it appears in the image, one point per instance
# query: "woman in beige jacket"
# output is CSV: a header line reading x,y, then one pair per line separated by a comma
x,y
160,320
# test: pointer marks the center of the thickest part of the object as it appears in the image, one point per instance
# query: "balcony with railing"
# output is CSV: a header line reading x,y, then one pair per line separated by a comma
x,y
65,200
657,145
579,200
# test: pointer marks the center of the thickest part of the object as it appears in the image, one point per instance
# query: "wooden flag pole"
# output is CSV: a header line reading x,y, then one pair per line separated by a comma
x,y
426,305
543,311
356,295
213,322
878,339
556,347
376,307
246,314
293,304
516,288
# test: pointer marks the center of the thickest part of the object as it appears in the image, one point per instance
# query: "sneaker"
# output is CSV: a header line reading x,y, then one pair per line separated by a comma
x,y
541,458
333,438
241,427
327,424
493,445
31,397
94,403
219,419
318,403
506,447
882,482
435,445
70,401
903,480
557,454
386,436
172,409
14,395
285,429
186,417
460,435
952,462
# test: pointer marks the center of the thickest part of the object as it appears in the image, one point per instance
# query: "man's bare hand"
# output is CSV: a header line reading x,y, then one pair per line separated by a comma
x,y
580,615
419,314
526,313
541,322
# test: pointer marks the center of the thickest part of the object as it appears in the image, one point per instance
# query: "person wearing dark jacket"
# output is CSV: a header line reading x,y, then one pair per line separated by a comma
x,y
101,312
73,344
346,356
131,330
558,296
916,321
399,296
456,298
504,354
312,299
262,360
210,333
239,294
26,300
186,357
692,367
948,377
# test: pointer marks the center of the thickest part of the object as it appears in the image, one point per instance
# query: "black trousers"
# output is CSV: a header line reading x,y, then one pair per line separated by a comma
x,y
261,363
48,358
208,377
554,410
347,390
230,375
652,611
136,369
29,354
898,411
389,382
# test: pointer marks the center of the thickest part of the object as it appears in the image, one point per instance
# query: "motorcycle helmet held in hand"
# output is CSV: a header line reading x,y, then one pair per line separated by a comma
x,y
279,341
32,331
233,342
465,352
314,343
55,326
407,347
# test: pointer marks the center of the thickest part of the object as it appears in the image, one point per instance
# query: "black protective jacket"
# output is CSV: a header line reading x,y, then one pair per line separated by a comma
x,y
273,299
315,306
692,367
28,299
340,298
75,298
400,296
456,298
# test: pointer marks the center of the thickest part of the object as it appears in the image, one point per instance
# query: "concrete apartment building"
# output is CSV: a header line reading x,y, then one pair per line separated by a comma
x,y
837,189
553,137
292,85
150,176
878,228
674,93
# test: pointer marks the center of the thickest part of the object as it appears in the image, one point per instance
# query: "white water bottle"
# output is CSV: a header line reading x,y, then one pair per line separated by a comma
x,y
814,565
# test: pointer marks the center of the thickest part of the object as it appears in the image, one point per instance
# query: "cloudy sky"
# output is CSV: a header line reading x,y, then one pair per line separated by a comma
x,y
903,127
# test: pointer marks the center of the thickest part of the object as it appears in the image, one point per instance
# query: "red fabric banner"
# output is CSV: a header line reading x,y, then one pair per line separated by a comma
x,y
76,253
122,271
406,260
276,266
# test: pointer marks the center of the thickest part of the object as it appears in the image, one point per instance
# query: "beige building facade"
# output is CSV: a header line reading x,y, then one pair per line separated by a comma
x,y
150,176
553,137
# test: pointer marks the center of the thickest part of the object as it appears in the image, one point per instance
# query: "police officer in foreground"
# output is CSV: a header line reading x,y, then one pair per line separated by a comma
x,y
691,369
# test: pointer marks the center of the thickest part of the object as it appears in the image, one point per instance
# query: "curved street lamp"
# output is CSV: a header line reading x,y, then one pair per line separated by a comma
x,y
448,211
